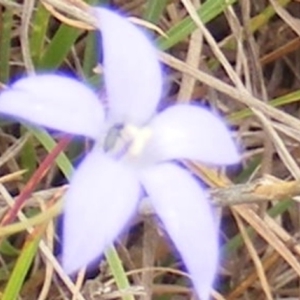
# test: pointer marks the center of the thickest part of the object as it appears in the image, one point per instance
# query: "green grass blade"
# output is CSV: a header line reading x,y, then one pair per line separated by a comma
x,y
91,56
66,167
264,17
256,22
237,241
283,100
91,51
118,272
59,47
28,158
207,12
24,261
37,219
38,33
49,143
154,9
5,44
8,249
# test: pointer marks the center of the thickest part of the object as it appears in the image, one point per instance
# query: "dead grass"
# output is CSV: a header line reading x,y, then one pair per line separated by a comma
x,y
229,67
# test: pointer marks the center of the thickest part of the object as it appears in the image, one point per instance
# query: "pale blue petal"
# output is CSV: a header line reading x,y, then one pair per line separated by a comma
x,y
56,102
102,197
190,132
185,211
132,73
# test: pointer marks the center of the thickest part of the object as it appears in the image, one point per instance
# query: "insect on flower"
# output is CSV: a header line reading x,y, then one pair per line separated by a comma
x,y
112,181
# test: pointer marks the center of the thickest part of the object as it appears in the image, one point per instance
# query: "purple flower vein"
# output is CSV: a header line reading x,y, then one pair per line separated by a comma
x,y
106,188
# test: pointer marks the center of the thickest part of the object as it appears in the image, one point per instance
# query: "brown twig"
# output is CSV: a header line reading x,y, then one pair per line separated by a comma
x,y
34,180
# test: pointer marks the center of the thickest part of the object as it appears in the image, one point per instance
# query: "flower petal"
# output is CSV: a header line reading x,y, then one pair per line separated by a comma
x,y
184,210
56,102
102,197
190,132
132,72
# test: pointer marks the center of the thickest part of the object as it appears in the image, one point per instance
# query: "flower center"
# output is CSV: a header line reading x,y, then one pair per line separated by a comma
x,y
138,137
126,140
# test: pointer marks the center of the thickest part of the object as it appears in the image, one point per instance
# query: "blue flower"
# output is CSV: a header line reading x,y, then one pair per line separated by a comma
x,y
106,188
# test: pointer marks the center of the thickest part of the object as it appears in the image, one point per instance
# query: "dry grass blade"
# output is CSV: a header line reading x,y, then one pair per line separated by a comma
x,y
291,21
44,248
248,213
240,96
252,218
66,20
267,188
28,7
257,262
281,148
193,59
14,149
150,241
237,58
267,263
49,270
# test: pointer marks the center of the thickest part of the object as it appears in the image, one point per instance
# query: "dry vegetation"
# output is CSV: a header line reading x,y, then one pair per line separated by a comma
x,y
242,60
